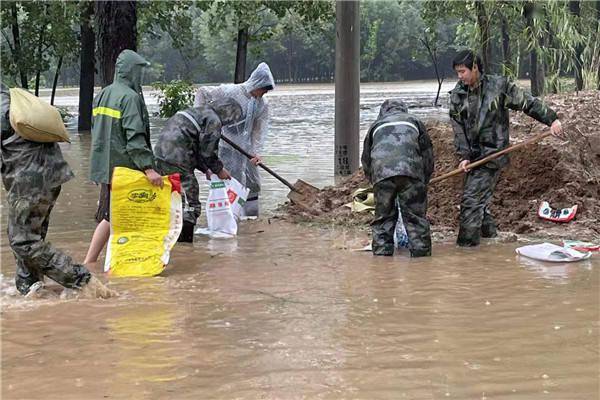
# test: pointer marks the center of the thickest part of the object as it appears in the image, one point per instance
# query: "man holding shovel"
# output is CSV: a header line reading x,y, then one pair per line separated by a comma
x,y
249,133
479,107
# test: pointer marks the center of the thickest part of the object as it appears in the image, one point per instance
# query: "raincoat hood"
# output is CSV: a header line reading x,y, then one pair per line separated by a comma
x,y
128,69
260,78
228,110
392,106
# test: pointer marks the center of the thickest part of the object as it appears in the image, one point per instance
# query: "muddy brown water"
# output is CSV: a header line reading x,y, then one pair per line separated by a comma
x,y
290,312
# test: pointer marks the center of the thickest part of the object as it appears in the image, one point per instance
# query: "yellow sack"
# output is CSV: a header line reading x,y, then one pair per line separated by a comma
x,y
145,222
363,199
34,119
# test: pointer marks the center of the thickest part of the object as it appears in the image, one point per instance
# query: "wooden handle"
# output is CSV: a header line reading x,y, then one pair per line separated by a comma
x,y
490,157
263,166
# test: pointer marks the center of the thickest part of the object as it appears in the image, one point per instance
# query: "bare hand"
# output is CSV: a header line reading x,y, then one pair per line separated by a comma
x,y
224,174
556,129
463,165
154,177
256,160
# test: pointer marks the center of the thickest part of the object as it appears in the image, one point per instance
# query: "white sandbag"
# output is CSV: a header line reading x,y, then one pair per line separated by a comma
x,y
219,214
238,194
552,253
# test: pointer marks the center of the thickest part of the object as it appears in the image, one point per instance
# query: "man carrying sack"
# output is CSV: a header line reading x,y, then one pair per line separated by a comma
x,y
32,174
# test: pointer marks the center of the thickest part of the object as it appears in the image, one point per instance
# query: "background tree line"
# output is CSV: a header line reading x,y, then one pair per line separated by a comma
x,y
76,42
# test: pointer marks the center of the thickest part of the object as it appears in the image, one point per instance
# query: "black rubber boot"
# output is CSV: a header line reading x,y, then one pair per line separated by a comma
x,y
187,233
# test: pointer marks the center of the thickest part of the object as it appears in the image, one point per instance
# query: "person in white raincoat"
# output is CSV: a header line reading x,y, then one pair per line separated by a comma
x,y
249,133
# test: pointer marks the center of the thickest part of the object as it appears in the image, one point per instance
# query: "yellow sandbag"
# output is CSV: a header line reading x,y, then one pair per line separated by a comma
x,y
145,222
362,200
34,119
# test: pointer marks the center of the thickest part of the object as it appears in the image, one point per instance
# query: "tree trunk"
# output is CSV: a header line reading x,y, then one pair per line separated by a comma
x,y
506,54
240,56
56,74
17,40
116,31
483,24
575,8
86,74
598,28
39,57
536,67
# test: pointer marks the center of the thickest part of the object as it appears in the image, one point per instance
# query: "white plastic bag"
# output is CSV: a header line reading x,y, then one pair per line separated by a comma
x,y
238,194
400,235
219,214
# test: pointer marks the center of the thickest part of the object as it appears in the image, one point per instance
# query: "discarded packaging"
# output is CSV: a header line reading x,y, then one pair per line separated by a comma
x,y
562,215
552,253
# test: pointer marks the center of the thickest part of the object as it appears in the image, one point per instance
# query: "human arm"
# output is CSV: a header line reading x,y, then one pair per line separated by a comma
x,y
365,159
136,145
521,100
426,149
461,145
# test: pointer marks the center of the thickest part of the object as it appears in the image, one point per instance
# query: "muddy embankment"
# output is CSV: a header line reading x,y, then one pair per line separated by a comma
x,y
562,172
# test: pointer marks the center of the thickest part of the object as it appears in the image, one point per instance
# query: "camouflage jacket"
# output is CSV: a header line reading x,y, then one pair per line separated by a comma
x,y
29,167
481,127
397,144
185,145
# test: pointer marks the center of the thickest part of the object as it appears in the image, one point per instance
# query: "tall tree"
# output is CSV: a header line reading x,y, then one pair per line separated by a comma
x,y
87,66
17,44
115,31
483,24
575,8
256,20
536,63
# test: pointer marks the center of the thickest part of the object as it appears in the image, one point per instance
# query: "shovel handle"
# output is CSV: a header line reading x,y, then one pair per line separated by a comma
x,y
260,164
490,157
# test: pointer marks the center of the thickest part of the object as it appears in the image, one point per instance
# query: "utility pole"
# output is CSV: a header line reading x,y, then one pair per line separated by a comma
x,y
347,87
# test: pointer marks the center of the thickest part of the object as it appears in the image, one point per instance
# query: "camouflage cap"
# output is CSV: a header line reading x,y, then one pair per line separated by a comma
x,y
392,105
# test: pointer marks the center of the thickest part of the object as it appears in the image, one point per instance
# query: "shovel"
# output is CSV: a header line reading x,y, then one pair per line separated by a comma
x,y
300,193
490,157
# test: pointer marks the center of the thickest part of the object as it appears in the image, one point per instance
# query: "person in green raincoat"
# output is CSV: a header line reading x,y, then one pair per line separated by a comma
x,y
120,138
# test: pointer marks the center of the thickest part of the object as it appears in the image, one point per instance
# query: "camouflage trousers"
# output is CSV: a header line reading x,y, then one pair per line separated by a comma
x,y
191,205
475,218
412,198
28,219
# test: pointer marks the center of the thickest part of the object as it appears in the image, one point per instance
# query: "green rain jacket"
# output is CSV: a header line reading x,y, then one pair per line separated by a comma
x,y
120,124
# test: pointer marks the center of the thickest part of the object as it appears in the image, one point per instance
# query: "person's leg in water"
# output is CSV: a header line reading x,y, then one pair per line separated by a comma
x,y
477,194
412,197
102,231
386,216
251,208
191,206
28,219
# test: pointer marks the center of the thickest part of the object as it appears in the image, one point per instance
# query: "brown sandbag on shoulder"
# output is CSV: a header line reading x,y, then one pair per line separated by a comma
x,y
34,119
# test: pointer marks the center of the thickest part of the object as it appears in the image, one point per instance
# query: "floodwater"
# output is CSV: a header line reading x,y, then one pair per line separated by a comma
x,y
290,312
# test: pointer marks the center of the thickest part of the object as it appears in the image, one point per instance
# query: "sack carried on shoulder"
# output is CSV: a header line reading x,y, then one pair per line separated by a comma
x,y
34,119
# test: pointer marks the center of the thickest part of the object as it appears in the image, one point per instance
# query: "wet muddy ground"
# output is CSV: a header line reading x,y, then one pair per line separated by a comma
x,y
290,312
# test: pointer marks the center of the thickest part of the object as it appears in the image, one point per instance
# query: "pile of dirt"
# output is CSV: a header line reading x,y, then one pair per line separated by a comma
x,y
563,173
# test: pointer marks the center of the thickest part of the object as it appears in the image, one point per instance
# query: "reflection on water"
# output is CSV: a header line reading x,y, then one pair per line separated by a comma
x,y
281,312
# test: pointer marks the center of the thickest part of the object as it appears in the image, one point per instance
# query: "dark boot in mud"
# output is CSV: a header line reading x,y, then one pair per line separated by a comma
x,y
488,227
414,253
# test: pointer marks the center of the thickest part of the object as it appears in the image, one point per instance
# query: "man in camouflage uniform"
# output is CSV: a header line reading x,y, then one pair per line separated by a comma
x,y
479,107
398,160
32,174
189,141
